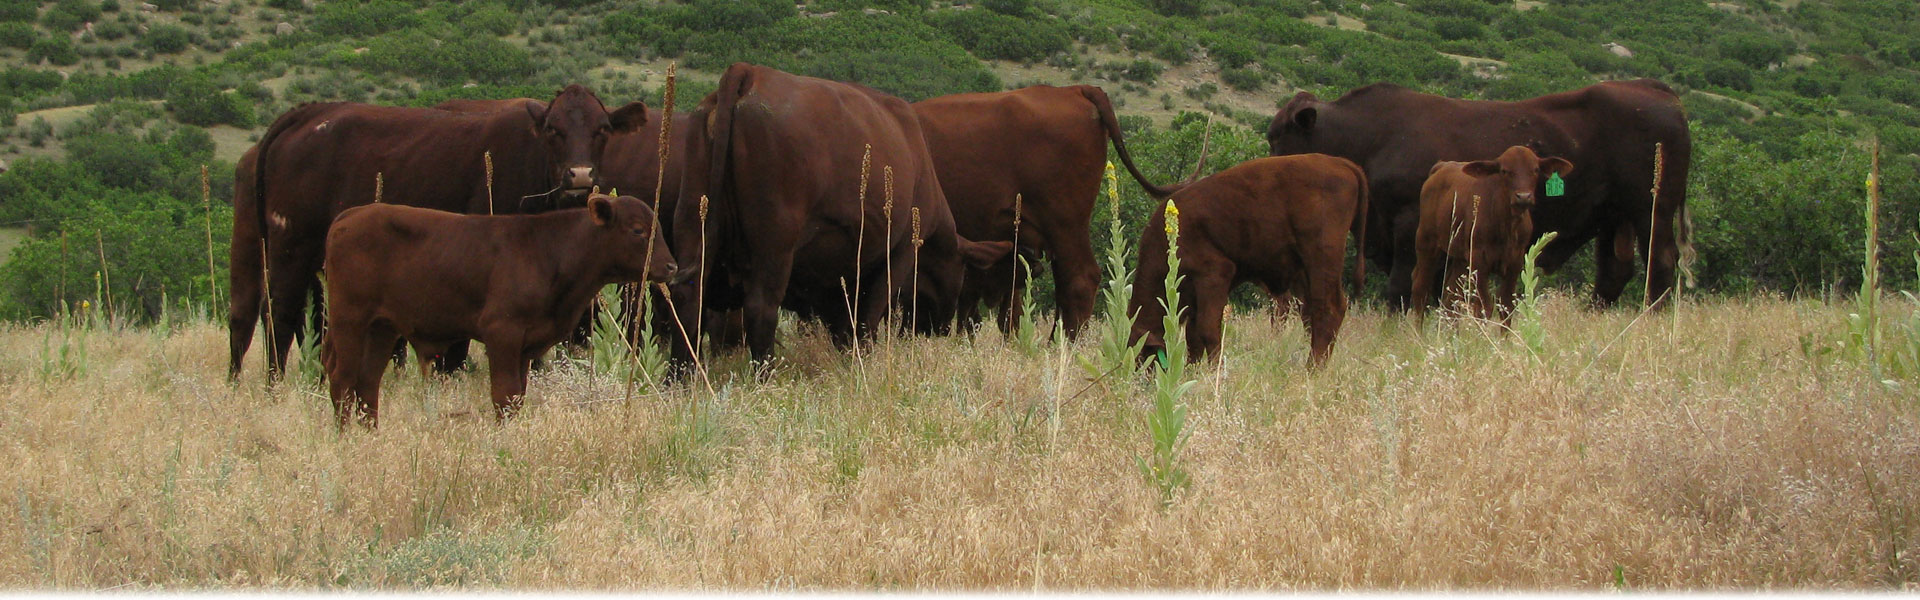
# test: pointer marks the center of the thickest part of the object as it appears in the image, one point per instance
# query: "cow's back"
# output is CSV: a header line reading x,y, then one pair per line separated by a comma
x,y
987,147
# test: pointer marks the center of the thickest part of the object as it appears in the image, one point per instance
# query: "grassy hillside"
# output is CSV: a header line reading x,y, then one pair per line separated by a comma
x,y
1785,96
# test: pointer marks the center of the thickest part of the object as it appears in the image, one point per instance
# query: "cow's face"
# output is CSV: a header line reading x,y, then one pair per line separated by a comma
x,y
1523,173
943,273
632,237
1293,127
575,128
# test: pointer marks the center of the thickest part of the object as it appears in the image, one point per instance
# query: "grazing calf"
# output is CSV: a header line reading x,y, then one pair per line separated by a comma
x,y
1281,222
516,283
1478,215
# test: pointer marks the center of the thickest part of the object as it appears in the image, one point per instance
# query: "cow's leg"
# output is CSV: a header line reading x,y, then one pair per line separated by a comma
x,y
345,357
1666,254
1509,292
288,281
1426,273
1455,290
1076,275
507,362
1210,288
984,286
1482,291
1324,308
243,285
452,358
1613,262
373,369
764,293
1400,273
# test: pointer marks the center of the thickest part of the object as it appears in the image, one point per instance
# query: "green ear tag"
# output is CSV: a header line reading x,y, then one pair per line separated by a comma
x,y
1556,186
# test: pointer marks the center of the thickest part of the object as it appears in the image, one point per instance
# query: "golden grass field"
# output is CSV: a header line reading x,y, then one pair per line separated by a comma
x,y
1701,449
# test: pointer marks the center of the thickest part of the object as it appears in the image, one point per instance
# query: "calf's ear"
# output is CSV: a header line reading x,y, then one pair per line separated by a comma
x,y
1305,117
1481,168
983,255
1555,164
629,118
601,207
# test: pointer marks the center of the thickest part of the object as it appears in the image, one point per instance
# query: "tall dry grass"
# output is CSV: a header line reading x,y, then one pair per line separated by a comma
x,y
1706,451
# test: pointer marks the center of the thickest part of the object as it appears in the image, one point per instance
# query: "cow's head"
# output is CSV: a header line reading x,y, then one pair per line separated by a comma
x,y
944,271
627,230
1524,172
575,128
1293,127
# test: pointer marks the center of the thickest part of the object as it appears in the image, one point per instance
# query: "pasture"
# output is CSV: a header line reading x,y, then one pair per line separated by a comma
x,y
1725,444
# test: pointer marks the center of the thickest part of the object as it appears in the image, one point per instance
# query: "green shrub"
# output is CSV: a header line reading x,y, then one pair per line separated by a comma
x,y
166,39
1143,70
491,18
112,30
995,36
1246,80
16,11
1537,74
197,100
67,15
56,49
17,35
1017,8
360,19
1753,49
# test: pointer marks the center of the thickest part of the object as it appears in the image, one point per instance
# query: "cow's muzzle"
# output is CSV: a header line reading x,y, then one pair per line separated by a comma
x,y
579,180
677,275
1523,200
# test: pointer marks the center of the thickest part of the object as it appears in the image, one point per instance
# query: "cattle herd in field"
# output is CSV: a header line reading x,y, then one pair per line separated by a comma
x,y
482,219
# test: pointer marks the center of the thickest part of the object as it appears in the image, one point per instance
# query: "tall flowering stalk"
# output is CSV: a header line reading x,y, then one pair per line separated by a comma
x,y
1116,355
1167,421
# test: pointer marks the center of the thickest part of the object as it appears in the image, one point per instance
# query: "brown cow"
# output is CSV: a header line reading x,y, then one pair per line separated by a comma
x,y
1049,146
1478,216
1281,222
779,156
1610,129
319,159
516,283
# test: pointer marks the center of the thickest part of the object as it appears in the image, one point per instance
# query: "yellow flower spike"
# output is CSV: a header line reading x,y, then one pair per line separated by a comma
x,y
1173,220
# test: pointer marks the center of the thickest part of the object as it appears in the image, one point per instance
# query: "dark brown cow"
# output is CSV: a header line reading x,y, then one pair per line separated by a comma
x,y
1281,222
1049,146
516,283
779,157
319,159
1609,129
1478,216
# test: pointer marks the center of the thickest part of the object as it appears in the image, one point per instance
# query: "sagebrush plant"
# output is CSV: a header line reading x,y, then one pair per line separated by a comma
x,y
1167,419
1527,322
1116,357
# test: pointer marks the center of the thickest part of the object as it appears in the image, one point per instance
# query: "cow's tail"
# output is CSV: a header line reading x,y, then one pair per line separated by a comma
x,y
1360,230
286,121
733,85
1104,108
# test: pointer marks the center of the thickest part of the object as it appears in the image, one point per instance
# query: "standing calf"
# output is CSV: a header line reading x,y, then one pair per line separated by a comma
x,y
1279,221
516,283
1478,215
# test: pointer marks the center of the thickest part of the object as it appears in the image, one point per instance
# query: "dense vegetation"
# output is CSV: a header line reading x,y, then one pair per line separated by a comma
x,y
1785,96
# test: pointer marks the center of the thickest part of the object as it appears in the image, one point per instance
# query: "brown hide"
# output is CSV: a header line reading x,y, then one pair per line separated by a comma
x,y
516,283
1281,222
1049,146
1476,224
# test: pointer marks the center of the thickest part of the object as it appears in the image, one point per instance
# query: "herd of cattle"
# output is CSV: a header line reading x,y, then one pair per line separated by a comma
x,y
481,219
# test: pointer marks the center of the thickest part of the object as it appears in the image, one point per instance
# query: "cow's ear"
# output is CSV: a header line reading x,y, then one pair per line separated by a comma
x,y
1481,168
601,207
629,118
1304,118
984,255
537,112
1555,164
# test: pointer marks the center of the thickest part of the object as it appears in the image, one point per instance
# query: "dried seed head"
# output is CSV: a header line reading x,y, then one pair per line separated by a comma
x,y
887,208
917,240
1016,212
703,208
865,157
379,185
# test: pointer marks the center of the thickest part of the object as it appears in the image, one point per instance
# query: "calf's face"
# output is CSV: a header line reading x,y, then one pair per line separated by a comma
x,y
1521,173
627,231
945,271
575,128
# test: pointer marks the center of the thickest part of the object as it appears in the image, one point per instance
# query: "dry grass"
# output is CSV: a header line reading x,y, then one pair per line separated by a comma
x,y
1699,452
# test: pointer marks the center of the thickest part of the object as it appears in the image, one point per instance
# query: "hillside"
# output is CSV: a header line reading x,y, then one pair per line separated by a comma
x,y
135,96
